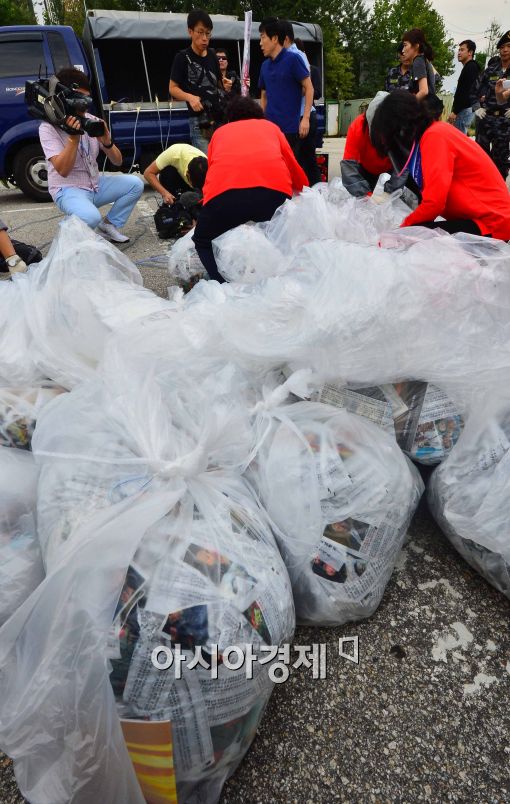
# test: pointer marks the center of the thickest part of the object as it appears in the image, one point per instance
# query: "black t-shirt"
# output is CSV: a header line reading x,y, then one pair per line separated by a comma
x,y
421,68
198,75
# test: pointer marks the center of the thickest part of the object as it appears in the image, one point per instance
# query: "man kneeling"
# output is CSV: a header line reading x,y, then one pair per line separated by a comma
x,y
180,168
74,182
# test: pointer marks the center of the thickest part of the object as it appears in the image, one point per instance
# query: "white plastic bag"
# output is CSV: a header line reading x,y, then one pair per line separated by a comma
x,y
183,261
342,495
21,568
17,366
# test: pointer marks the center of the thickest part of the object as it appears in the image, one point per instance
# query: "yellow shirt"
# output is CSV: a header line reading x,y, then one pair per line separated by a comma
x,y
178,156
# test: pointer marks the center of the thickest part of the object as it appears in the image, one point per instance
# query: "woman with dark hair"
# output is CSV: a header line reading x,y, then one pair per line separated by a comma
x,y
454,177
417,50
229,78
252,171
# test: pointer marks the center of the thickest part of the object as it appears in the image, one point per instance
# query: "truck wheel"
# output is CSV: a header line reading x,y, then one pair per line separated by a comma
x,y
30,172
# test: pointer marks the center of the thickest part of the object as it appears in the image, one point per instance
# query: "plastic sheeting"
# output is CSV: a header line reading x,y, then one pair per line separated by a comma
x,y
342,495
21,568
83,290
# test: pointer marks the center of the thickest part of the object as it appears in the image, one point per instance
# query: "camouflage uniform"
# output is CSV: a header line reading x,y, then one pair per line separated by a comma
x,y
493,132
396,79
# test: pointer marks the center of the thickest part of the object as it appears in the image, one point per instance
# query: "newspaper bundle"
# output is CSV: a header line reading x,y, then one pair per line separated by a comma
x,y
423,418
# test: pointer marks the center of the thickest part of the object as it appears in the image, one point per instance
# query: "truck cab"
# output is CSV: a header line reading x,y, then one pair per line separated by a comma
x,y
128,58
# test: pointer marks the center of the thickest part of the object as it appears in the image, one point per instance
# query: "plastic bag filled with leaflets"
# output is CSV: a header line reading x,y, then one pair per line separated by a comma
x,y
19,409
21,568
151,538
425,421
469,493
83,290
342,495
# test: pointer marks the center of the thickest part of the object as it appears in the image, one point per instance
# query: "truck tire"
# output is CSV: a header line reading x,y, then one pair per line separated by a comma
x,y
30,172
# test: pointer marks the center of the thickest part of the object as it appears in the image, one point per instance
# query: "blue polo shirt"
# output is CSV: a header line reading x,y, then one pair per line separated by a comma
x,y
281,78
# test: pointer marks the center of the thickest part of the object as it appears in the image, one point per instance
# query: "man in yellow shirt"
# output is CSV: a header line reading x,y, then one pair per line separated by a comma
x,y
180,168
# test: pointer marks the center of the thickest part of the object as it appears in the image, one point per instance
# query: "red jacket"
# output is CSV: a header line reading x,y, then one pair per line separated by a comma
x,y
251,153
359,148
460,181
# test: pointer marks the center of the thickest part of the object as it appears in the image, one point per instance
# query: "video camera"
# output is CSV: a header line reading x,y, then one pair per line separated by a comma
x,y
48,99
175,220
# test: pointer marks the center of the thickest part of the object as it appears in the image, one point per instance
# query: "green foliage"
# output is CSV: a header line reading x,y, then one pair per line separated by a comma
x,y
13,12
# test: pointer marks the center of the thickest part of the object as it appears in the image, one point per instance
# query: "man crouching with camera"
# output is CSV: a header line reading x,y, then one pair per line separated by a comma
x,y
74,182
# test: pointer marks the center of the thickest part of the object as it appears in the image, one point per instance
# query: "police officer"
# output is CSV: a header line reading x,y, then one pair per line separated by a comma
x,y
493,130
399,77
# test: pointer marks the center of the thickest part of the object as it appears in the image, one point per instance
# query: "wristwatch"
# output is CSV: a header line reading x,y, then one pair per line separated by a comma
x,y
15,263
107,147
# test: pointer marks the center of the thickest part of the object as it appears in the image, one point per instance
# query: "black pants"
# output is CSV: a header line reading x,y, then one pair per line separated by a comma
x,y
172,181
454,226
306,152
228,210
293,140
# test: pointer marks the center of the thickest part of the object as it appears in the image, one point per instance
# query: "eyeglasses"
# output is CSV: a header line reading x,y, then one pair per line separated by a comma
x,y
207,34
222,58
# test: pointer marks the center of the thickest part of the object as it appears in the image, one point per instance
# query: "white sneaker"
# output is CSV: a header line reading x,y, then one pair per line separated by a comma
x,y
112,233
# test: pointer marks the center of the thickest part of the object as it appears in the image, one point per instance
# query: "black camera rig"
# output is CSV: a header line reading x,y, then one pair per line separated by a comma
x,y
47,99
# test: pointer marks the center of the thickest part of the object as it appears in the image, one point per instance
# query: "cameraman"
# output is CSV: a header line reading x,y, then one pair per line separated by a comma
x,y
74,182
196,79
180,168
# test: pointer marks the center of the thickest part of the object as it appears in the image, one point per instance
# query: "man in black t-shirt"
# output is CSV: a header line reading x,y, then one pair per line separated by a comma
x,y
196,79
465,94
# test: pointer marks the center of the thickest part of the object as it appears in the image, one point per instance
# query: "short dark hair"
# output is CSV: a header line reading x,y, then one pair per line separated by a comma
x,y
299,44
222,50
416,37
271,26
199,15
399,120
471,46
243,108
70,75
197,171
287,29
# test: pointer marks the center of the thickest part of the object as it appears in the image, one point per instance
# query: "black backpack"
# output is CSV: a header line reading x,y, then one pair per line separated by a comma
x,y
174,220
27,253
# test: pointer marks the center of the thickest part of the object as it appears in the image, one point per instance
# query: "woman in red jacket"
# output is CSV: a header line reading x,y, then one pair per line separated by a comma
x,y
456,179
361,165
252,171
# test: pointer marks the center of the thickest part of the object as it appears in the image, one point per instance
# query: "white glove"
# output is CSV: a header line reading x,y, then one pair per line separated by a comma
x,y
16,264
507,114
480,113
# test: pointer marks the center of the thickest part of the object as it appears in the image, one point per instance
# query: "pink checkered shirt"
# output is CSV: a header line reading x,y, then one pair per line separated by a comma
x,y
85,173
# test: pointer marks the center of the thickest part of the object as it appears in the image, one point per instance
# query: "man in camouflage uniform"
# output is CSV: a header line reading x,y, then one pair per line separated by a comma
x,y
493,130
398,77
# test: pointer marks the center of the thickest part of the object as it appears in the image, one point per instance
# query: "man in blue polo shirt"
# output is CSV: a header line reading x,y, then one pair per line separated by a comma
x,y
283,80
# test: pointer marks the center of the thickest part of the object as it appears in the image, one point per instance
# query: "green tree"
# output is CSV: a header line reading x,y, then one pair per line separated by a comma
x,y
389,20
493,34
13,12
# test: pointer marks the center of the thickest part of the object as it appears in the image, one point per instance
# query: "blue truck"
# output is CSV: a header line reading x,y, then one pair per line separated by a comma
x,y
128,58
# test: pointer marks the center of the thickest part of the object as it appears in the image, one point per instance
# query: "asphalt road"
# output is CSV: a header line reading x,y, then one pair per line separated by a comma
x,y
424,715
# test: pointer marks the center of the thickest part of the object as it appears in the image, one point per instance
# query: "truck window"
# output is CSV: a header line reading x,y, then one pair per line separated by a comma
x,y
20,58
58,50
